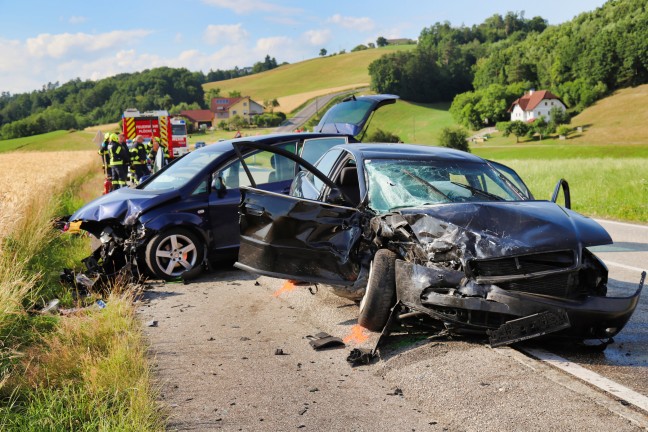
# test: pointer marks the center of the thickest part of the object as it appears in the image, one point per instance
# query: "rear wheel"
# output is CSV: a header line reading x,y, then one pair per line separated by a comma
x,y
380,295
173,252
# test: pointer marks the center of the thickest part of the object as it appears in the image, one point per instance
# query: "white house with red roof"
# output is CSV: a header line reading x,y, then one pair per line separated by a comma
x,y
535,104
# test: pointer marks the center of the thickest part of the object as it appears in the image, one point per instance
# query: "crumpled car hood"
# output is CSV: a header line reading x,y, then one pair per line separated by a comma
x,y
122,204
486,230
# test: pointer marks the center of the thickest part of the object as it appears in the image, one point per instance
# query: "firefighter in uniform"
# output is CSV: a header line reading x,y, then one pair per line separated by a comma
x,y
138,158
103,152
158,145
119,160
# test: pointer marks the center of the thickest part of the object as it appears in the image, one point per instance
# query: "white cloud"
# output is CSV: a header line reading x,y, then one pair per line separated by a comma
x,y
77,19
250,6
61,45
219,34
273,45
361,24
318,37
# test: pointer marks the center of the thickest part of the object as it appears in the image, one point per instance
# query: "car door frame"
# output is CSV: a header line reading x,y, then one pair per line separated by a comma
x,y
288,237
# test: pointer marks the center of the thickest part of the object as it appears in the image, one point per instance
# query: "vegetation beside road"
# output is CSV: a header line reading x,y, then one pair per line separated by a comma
x,y
84,371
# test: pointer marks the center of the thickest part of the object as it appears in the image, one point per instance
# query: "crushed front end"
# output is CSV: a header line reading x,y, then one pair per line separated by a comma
x,y
511,272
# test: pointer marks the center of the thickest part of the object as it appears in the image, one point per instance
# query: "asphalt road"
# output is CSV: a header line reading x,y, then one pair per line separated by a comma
x,y
230,352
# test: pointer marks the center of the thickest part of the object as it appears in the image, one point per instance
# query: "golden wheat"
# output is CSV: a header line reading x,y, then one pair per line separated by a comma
x,y
33,175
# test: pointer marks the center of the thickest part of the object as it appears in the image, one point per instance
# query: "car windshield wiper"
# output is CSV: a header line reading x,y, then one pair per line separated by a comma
x,y
428,184
478,191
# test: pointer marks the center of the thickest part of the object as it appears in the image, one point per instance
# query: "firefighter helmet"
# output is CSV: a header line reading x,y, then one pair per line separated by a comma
x,y
114,137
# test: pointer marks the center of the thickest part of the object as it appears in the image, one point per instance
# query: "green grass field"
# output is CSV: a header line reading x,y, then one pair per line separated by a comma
x,y
52,141
414,123
308,75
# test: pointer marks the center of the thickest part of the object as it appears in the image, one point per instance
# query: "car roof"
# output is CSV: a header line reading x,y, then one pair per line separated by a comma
x,y
407,151
223,146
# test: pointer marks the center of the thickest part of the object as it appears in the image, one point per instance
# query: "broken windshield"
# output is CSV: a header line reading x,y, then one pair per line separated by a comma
x,y
407,183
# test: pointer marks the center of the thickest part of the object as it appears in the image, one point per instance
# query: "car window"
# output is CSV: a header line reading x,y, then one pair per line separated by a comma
x,y
265,167
410,183
181,172
313,149
201,189
510,174
325,165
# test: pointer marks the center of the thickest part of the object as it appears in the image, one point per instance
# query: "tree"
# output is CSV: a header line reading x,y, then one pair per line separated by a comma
x,y
360,47
519,129
454,137
234,94
323,52
270,104
381,41
212,93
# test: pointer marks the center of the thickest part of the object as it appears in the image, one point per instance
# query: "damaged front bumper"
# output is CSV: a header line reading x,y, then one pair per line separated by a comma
x,y
508,316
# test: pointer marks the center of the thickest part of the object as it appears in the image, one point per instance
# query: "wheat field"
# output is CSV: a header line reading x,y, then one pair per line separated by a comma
x,y
26,176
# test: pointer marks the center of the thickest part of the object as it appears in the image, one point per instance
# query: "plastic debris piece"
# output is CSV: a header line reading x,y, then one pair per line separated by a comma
x,y
152,323
51,307
84,280
324,340
360,356
101,304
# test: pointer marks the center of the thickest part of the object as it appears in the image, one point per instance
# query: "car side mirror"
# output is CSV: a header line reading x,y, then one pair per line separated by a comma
x,y
219,186
335,197
562,183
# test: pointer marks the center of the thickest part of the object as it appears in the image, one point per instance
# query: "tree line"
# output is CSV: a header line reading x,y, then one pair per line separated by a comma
x,y
484,68
77,103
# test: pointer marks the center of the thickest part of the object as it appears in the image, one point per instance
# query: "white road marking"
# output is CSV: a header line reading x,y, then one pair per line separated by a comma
x,y
624,266
625,224
605,384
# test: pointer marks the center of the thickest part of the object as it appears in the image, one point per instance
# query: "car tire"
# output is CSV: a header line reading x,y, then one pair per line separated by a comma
x,y
380,295
173,252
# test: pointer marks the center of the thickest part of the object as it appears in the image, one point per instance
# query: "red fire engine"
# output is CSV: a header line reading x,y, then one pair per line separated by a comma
x,y
171,131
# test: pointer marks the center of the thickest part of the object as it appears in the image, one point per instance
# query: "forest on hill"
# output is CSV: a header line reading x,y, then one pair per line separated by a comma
x,y
484,68
77,104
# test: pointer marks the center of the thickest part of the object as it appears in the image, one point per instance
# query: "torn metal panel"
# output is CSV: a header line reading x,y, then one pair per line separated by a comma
x,y
434,291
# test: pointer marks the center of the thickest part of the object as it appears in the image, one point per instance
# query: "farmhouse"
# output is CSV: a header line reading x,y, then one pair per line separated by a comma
x,y
199,117
225,108
535,104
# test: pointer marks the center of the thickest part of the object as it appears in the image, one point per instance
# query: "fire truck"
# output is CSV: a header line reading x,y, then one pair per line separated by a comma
x,y
172,131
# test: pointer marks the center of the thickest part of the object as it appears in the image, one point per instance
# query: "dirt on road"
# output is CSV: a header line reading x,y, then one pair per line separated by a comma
x,y
230,353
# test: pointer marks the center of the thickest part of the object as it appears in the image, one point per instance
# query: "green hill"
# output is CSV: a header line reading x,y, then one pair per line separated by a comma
x,y
308,78
617,119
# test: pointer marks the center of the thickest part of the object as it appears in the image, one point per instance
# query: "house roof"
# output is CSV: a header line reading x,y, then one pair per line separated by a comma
x,y
223,103
532,99
198,115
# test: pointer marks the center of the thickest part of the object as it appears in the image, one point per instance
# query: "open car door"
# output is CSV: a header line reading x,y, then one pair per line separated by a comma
x,y
296,238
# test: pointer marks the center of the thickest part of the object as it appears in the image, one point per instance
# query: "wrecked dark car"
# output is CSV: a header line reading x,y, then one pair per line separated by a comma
x,y
186,215
420,230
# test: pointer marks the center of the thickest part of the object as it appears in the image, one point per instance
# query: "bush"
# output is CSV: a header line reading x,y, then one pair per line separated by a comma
x,y
563,130
455,137
382,136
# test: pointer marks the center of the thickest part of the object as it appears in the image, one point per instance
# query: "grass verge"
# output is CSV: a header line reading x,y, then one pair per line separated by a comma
x,y
83,371
611,188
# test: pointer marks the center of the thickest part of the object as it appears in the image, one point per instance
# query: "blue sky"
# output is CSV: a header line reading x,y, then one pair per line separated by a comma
x,y
46,41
